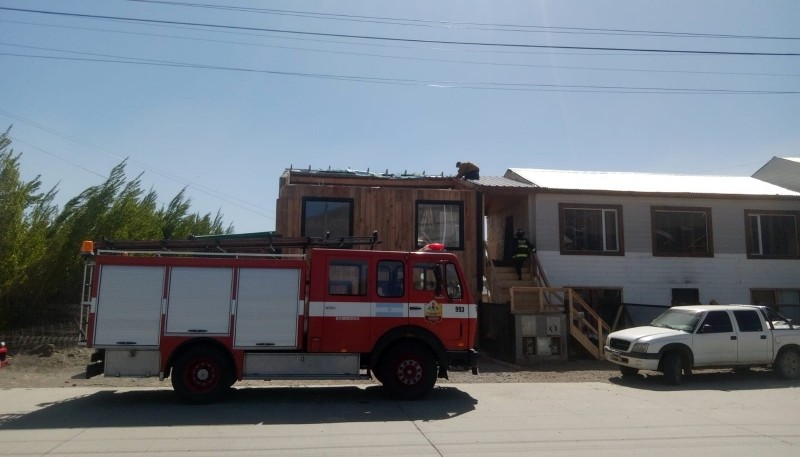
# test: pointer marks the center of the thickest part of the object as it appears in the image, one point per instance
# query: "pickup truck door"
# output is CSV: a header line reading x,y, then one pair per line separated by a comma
x,y
715,342
755,341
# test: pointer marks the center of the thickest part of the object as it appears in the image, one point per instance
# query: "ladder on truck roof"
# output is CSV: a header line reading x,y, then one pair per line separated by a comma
x,y
265,242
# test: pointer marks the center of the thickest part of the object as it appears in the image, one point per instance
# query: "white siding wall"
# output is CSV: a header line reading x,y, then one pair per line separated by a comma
x,y
727,277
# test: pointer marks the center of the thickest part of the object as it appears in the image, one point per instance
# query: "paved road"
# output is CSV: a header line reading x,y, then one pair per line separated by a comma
x,y
642,417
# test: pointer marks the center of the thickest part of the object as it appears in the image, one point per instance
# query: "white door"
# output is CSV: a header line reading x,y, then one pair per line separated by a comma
x,y
755,343
715,342
267,308
129,306
199,300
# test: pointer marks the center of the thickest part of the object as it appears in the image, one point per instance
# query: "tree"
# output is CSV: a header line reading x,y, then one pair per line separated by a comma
x,y
26,215
40,269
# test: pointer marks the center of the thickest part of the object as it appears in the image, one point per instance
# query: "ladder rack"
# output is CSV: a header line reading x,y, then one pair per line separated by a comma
x,y
268,243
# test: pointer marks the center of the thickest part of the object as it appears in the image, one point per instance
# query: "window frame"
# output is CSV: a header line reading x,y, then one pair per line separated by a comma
x,y
562,226
359,280
748,213
384,286
726,327
303,217
456,203
682,209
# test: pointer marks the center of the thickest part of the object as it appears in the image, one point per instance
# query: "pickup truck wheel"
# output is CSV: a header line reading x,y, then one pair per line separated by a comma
x,y
673,368
628,371
408,371
787,365
202,374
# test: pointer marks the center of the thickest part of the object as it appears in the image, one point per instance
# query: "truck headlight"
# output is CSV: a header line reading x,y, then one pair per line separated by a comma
x,y
640,347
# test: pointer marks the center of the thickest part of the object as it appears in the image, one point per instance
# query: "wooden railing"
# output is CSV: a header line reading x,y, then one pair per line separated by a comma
x,y
537,271
532,300
586,326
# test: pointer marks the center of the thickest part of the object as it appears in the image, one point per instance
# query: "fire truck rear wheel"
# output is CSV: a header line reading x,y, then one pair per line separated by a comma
x,y
408,371
202,374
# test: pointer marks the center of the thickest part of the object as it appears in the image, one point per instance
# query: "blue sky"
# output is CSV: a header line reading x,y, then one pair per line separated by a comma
x,y
256,101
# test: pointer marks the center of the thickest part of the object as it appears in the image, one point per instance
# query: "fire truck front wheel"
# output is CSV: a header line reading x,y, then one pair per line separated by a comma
x,y
201,374
408,371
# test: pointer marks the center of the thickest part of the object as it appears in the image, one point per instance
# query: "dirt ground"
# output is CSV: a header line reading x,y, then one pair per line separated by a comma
x,y
66,368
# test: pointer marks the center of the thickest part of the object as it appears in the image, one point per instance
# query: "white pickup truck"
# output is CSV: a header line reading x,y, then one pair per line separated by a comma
x,y
684,338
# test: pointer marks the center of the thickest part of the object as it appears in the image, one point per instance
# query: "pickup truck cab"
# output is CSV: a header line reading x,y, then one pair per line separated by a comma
x,y
685,338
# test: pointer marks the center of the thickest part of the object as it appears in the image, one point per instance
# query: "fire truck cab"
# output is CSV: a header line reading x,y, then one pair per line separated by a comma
x,y
208,319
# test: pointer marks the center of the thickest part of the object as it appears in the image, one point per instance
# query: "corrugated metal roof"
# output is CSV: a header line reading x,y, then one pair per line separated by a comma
x,y
781,171
500,181
646,182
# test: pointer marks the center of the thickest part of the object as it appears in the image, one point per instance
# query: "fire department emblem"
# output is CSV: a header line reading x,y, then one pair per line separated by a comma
x,y
433,311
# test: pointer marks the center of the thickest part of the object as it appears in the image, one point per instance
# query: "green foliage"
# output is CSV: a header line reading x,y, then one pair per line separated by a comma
x,y
40,270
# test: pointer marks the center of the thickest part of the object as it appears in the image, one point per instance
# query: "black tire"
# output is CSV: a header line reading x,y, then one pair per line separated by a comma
x,y
202,374
787,365
673,368
408,371
628,371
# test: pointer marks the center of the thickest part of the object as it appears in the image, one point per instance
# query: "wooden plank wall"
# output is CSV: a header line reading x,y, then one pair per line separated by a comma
x,y
389,210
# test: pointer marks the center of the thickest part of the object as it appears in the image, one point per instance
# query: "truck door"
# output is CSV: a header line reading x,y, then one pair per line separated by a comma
x,y
389,297
347,307
755,344
715,342
129,302
436,300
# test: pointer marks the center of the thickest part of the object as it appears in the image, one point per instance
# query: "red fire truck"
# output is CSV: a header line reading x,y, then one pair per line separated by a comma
x,y
210,312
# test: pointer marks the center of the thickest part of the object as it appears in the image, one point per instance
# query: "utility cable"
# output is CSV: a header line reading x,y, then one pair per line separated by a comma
x,y
406,40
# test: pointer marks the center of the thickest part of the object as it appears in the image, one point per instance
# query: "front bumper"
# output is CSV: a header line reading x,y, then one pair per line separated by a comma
x,y
632,359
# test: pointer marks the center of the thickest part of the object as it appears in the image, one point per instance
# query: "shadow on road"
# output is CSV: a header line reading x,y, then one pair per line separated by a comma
x,y
722,380
278,405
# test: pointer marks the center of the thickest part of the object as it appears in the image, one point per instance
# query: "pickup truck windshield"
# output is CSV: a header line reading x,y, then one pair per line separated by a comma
x,y
677,319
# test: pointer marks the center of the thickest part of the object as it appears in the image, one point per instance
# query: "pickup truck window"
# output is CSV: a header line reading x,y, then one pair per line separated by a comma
x,y
677,319
716,322
748,321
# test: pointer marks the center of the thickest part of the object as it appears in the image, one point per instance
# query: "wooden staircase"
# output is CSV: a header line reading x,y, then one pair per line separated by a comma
x,y
533,295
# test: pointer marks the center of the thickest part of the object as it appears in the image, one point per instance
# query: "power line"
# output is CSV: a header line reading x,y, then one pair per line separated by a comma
x,y
406,40
466,25
413,82
396,57
235,201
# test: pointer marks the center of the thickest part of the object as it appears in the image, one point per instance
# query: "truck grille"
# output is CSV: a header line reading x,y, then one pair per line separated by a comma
x,y
620,344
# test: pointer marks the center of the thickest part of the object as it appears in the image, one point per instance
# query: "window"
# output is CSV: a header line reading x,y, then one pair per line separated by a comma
x,y
785,301
347,278
685,296
590,229
771,235
390,278
748,321
327,215
716,322
682,232
440,222
454,288
424,276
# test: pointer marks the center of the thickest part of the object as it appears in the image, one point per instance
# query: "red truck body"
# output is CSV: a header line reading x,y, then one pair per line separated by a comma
x,y
208,320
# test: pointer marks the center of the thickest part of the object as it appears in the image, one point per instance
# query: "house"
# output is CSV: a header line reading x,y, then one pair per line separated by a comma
x,y
610,245
408,211
653,239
